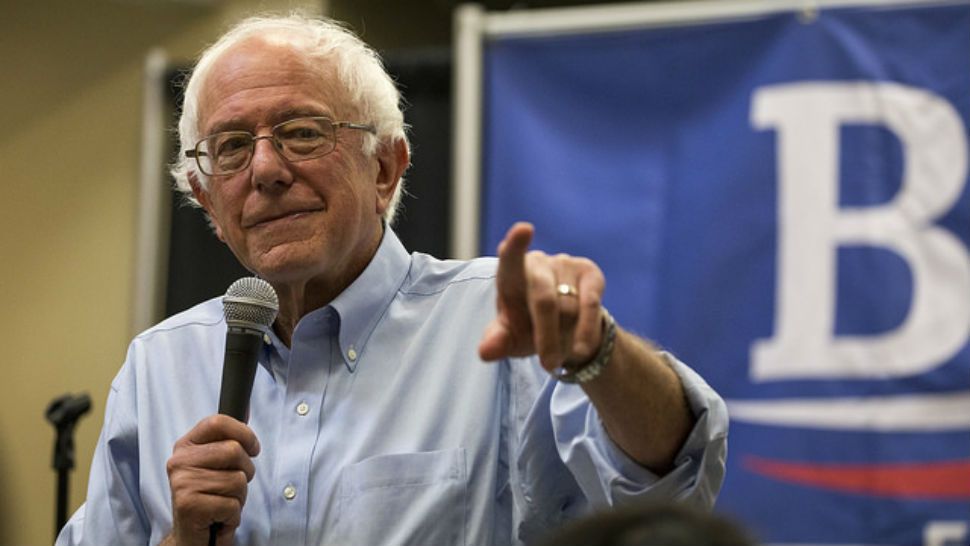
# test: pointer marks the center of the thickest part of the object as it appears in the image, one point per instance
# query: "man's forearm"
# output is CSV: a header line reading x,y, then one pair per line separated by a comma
x,y
642,404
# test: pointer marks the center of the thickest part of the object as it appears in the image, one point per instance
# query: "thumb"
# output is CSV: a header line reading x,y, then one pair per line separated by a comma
x,y
495,342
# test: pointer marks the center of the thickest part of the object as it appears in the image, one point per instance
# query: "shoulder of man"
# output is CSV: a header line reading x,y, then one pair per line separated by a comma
x,y
429,275
206,314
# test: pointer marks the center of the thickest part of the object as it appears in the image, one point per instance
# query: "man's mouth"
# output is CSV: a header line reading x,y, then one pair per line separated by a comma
x,y
265,220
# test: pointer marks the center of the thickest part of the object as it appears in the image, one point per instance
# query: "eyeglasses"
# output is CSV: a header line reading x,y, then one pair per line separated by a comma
x,y
296,140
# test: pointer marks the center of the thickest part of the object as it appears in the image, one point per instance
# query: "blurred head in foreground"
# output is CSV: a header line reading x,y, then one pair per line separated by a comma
x,y
650,525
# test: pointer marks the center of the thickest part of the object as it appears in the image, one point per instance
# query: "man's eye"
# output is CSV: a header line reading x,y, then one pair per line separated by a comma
x,y
302,133
232,145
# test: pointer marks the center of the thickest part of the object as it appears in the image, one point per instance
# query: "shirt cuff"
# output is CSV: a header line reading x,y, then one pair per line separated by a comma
x,y
609,476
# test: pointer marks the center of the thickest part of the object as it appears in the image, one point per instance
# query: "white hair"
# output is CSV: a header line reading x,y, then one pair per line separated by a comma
x,y
324,43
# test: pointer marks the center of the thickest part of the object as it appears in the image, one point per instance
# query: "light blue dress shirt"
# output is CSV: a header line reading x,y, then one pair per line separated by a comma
x,y
380,425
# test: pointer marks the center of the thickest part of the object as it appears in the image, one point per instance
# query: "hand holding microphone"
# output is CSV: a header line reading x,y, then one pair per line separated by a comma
x,y
212,464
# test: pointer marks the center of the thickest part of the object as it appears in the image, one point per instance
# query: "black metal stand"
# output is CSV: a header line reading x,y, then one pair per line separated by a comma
x,y
63,412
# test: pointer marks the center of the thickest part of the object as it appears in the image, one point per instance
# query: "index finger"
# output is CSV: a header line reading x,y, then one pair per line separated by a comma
x,y
511,254
216,428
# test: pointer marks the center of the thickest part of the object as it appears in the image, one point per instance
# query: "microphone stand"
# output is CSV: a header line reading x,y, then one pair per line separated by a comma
x,y
63,412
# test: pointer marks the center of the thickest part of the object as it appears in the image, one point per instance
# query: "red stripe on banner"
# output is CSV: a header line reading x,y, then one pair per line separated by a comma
x,y
948,480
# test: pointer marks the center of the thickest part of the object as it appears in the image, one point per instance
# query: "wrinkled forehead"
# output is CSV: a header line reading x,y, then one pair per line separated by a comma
x,y
256,74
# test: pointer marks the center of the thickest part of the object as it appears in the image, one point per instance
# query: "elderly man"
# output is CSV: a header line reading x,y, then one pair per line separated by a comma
x,y
374,417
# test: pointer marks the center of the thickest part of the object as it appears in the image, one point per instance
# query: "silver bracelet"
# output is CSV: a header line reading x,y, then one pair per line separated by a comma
x,y
585,372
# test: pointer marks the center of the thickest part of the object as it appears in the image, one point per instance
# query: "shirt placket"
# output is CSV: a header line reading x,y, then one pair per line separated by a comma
x,y
310,362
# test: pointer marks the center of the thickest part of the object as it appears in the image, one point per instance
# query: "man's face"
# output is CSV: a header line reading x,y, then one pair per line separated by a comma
x,y
317,219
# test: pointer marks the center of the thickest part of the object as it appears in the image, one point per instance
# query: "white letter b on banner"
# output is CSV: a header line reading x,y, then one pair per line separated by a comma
x,y
811,226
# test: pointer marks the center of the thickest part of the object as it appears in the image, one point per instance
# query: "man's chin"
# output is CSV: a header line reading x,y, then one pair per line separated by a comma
x,y
286,263
279,274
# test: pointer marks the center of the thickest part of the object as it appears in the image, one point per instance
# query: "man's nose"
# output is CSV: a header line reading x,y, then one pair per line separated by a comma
x,y
269,168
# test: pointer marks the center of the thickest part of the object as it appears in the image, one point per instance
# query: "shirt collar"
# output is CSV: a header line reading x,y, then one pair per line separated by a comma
x,y
361,306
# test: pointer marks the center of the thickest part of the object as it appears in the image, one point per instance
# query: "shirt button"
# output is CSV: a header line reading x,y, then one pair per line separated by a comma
x,y
267,340
303,408
352,354
289,492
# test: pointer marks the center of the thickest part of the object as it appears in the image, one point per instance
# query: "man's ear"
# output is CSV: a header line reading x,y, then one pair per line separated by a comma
x,y
393,158
202,196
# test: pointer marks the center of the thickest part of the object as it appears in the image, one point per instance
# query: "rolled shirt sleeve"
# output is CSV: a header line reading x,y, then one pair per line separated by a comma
x,y
597,472
609,477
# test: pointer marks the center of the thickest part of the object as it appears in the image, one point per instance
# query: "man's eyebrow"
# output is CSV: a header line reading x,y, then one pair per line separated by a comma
x,y
231,124
301,112
238,124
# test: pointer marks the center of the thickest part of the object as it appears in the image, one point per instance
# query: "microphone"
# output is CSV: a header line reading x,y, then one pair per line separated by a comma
x,y
250,306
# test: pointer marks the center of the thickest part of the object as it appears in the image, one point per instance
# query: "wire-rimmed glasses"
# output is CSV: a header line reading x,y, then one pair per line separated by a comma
x,y
298,139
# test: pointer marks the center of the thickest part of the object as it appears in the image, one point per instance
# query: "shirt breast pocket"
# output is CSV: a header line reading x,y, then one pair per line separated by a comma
x,y
406,498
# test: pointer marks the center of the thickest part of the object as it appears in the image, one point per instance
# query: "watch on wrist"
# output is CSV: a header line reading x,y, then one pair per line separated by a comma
x,y
584,372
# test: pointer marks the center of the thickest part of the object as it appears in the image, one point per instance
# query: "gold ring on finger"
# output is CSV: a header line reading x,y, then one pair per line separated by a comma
x,y
566,289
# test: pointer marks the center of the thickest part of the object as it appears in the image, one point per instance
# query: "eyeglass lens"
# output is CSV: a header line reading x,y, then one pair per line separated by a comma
x,y
295,140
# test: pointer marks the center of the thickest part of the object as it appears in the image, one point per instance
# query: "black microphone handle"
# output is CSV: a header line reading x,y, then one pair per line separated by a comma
x,y
239,371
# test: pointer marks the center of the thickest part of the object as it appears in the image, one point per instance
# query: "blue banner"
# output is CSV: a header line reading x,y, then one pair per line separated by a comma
x,y
782,202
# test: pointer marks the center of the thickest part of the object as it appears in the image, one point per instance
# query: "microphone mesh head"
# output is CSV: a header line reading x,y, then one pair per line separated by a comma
x,y
250,302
